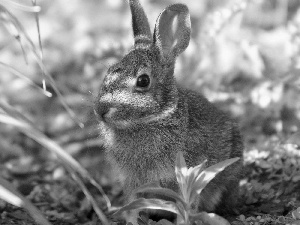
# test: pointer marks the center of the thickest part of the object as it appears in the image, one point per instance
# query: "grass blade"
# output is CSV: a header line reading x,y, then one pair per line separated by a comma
x,y
89,196
143,203
160,191
22,7
11,22
181,173
9,193
24,77
27,128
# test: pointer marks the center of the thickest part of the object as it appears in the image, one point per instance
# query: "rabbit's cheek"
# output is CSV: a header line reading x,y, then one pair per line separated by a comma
x,y
116,117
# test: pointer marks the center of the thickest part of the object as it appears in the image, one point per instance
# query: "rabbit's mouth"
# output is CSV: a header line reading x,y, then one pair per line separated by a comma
x,y
120,119
125,116
115,118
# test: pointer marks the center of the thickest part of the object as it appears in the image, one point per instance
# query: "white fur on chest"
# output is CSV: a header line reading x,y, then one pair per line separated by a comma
x,y
144,155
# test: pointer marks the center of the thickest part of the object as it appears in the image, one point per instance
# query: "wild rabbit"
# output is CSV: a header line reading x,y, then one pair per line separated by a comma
x,y
146,117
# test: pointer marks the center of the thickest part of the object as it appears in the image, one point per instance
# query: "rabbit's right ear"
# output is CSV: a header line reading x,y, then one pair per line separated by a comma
x,y
172,31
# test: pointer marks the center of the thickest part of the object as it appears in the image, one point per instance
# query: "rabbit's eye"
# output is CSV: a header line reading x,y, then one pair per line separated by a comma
x,y
143,81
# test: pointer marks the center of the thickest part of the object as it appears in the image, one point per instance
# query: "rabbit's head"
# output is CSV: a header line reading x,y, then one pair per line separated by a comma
x,y
140,88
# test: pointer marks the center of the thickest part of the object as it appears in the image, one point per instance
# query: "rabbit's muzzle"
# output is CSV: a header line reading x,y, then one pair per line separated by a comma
x,y
105,111
111,113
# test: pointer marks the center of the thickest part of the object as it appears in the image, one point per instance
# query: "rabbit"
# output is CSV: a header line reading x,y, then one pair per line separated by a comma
x,y
145,117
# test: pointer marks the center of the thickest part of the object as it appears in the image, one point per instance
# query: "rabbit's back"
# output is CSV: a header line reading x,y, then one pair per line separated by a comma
x,y
211,132
213,135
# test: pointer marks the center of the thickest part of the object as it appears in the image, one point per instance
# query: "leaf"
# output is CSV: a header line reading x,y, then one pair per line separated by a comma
x,y
11,195
164,222
294,139
209,218
208,174
193,173
296,214
143,203
154,188
181,173
180,164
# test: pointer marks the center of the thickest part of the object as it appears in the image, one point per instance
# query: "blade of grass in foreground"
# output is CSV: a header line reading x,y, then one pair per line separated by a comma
x,y
21,75
89,196
26,8
37,21
14,27
62,155
181,173
12,196
152,188
35,134
143,203
52,146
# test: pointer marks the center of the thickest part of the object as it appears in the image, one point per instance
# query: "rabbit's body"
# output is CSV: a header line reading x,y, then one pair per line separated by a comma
x,y
146,118
147,153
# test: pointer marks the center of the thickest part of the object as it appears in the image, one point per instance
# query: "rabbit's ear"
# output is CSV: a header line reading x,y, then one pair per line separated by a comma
x,y
172,31
140,24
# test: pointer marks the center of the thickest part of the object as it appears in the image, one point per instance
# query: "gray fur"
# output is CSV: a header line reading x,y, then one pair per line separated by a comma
x,y
167,34
144,130
140,24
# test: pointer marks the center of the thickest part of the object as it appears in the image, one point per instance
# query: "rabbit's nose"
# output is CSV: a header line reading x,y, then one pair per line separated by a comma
x,y
101,109
104,107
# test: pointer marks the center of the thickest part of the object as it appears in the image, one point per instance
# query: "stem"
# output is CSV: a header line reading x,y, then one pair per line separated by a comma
x,y
186,217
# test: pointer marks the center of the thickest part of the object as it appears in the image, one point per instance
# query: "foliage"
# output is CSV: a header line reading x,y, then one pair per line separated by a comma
x,y
191,182
13,117
11,195
76,170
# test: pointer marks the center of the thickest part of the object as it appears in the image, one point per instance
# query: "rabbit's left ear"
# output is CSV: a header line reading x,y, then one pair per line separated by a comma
x,y
140,24
172,31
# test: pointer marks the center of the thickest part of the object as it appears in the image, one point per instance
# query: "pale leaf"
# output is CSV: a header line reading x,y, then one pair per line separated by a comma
x,y
166,192
181,172
193,173
208,174
209,218
143,203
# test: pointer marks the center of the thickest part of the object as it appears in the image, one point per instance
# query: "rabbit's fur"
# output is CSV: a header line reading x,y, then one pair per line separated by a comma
x,y
146,117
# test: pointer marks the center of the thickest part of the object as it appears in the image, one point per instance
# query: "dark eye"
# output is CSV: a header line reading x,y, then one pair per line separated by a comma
x,y
143,81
